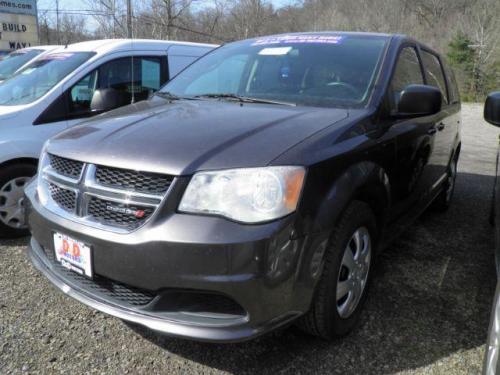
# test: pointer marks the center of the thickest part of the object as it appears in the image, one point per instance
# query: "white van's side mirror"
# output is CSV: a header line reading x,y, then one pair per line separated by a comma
x,y
107,99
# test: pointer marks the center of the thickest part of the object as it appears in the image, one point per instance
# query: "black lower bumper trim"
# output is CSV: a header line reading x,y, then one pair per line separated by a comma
x,y
234,331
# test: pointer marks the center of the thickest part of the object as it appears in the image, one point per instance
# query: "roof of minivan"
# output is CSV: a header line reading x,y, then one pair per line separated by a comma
x,y
108,45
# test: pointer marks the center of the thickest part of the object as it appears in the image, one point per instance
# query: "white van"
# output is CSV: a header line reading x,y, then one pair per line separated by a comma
x,y
15,60
65,86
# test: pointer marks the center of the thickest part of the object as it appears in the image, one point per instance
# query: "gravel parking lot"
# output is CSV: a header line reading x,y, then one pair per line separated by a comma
x,y
427,311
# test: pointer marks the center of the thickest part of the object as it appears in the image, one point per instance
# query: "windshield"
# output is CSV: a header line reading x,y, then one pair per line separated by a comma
x,y
37,78
14,60
311,70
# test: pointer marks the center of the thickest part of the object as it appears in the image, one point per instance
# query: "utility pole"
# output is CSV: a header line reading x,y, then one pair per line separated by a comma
x,y
57,22
113,15
129,19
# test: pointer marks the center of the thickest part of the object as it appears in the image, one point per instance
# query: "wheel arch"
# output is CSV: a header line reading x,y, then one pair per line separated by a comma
x,y
23,160
364,181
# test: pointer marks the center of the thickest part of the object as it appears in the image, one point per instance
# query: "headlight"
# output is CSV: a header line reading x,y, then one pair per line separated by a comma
x,y
42,164
249,195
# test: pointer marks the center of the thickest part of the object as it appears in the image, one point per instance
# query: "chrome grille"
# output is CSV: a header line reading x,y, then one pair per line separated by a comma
x,y
118,204
144,182
66,167
63,197
122,215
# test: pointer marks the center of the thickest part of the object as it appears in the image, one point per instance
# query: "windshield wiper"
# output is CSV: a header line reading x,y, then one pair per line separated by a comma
x,y
169,96
243,99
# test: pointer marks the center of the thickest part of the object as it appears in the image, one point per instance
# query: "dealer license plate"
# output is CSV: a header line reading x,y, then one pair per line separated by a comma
x,y
73,254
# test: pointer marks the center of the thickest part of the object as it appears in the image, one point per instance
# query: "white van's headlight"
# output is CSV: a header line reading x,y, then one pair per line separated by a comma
x,y
249,195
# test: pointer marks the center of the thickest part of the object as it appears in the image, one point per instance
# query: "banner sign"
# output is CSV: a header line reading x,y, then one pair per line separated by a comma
x,y
18,7
18,24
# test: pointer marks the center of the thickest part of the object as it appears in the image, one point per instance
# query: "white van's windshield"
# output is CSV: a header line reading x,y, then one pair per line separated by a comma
x,y
36,79
15,60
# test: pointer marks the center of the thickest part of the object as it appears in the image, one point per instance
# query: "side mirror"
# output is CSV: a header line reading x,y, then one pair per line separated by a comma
x,y
492,109
105,100
419,100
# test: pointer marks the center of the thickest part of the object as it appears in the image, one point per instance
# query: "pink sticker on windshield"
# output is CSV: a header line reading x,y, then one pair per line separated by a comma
x,y
320,39
57,56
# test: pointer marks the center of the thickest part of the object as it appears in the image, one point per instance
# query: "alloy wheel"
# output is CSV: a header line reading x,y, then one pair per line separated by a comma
x,y
12,202
353,273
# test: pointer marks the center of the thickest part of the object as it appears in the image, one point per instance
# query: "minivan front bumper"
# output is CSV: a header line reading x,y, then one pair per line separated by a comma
x,y
252,270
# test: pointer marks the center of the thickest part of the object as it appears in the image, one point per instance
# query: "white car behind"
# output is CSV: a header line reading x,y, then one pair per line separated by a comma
x,y
62,88
16,60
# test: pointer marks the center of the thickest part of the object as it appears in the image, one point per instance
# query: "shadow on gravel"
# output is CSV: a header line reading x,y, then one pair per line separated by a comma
x,y
430,298
15,242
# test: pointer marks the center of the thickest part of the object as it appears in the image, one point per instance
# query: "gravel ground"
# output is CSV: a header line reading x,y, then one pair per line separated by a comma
x,y
427,312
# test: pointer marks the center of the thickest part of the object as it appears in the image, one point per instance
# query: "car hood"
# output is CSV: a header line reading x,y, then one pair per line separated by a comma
x,y
7,112
182,137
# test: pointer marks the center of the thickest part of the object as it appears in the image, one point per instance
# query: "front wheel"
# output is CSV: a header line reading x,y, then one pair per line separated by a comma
x,y
341,290
13,180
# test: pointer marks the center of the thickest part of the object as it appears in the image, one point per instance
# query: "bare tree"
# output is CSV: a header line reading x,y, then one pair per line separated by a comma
x,y
72,29
110,15
482,25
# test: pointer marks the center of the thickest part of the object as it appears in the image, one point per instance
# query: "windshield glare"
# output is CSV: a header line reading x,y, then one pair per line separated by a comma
x,y
37,78
14,60
310,70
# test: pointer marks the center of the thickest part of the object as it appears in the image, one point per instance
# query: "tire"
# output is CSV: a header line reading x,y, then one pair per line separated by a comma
x,y
328,318
13,179
443,201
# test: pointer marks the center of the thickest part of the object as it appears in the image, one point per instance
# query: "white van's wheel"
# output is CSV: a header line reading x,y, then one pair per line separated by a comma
x,y
13,180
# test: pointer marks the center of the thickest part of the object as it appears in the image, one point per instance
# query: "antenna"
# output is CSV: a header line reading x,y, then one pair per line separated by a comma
x,y
133,80
131,37
132,75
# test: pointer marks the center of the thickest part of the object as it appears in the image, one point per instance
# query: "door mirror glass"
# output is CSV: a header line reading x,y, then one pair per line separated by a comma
x,y
419,100
107,99
492,109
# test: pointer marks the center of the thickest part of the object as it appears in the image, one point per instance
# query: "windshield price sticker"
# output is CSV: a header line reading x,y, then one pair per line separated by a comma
x,y
275,51
319,39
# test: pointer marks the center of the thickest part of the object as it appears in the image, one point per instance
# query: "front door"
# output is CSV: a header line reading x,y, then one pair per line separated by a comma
x,y
414,173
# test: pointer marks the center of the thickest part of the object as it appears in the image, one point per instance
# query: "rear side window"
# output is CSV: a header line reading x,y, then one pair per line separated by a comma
x,y
452,85
407,72
434,73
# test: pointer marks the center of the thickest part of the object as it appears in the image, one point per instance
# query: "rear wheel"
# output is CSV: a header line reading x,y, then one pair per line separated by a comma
x,y
341,290
443,200
13,180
